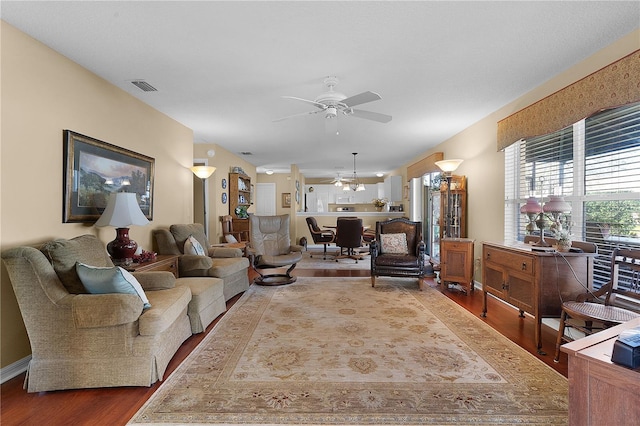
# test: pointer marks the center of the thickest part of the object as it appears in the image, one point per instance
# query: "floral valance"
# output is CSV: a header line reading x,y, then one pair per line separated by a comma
x,y
614,85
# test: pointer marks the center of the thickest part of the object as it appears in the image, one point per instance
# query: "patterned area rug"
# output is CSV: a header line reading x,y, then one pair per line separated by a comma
x,y
339,352
317,262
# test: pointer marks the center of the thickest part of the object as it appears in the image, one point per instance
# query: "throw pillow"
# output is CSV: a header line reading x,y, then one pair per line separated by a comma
x,y
99,280
394,243
230,238
192,246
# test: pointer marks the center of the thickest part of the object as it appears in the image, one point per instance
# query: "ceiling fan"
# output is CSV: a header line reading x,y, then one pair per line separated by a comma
x,y
331,103
339,180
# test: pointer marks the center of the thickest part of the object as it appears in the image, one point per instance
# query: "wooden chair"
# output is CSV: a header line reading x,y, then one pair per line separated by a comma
x,y
616,302
227,230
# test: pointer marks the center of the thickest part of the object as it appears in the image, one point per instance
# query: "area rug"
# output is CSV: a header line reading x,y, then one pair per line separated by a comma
x,y
317,262
336,351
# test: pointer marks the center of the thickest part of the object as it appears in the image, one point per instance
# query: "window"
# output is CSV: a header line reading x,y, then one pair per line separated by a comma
x,y
594,165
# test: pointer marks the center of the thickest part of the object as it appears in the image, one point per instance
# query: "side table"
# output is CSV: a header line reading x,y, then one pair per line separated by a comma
x,y
163,262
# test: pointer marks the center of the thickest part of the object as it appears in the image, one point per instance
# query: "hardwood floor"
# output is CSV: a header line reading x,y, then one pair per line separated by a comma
x,y
115,406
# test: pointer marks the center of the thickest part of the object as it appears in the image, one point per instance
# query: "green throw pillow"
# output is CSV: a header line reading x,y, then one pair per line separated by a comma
x,y
99,280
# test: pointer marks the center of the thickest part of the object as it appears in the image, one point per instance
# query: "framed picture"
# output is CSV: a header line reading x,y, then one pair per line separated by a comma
x,y
94,169
286,200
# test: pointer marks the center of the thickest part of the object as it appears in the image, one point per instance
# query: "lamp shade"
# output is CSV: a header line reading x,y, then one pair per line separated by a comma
x,y
203,172
448,166
122,211
556,204
532,206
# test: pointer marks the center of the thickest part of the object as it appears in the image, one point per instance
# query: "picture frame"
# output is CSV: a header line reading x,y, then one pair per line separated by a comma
x,y
286,200
93,169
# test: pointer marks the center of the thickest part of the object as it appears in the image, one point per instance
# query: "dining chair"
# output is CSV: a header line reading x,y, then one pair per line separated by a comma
x,y
349,238
320,236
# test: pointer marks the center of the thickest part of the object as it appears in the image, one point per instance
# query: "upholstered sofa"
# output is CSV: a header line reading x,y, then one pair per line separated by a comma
x,y
84,340
228,264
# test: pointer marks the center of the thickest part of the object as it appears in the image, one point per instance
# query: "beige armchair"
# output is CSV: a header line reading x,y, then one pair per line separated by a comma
x,y
81,340
271,248
220,262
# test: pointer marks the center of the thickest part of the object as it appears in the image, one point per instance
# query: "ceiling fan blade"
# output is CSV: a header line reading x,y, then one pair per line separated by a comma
x,y
369,115
307,101
295,115
362,98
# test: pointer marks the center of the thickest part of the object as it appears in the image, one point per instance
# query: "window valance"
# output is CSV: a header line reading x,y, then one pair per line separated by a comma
x,y
615,85
424,166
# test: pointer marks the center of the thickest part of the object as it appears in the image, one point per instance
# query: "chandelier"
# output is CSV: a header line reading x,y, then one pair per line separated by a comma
x,y
355,184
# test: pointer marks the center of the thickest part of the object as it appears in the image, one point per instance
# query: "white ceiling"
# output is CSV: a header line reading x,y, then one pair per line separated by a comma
x,y
221,67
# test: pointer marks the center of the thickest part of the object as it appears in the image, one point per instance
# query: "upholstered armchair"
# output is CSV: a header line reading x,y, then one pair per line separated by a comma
x,y
83,340
219,262
271,248
398,250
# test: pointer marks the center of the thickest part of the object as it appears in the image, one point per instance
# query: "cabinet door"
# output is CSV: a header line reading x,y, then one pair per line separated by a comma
x,y
493,279
457,262
520,290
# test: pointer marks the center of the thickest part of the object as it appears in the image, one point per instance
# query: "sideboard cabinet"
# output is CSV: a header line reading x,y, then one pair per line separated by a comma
x,y
534,282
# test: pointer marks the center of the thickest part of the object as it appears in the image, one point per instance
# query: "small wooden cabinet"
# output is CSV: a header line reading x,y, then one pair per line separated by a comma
x,y
534,282
239,193
163,262
456,262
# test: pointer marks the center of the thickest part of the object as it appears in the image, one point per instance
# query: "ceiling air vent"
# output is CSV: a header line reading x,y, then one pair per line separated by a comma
x,y
144,86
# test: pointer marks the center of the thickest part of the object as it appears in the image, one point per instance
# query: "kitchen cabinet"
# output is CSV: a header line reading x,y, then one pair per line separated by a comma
x,y
535,282
393,188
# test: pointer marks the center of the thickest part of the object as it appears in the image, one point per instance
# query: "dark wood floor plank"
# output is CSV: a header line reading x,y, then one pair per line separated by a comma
x,y
115,406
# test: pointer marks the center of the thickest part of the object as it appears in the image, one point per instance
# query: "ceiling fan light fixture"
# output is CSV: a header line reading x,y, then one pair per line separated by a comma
x,y
331,112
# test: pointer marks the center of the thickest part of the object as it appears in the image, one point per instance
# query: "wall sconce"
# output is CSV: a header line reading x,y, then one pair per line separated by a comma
x,y
448,167
122,211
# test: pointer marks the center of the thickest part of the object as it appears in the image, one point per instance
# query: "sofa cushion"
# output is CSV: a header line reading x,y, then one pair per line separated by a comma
x,y
167,306
225,266
182,231
63,255
192,246
100,280
394,243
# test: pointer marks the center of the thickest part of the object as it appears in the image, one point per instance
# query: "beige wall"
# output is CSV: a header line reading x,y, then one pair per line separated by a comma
x,y
484,166
223,161
44,93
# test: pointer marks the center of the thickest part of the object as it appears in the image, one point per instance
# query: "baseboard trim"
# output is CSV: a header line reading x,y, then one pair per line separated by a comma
x,y
15,369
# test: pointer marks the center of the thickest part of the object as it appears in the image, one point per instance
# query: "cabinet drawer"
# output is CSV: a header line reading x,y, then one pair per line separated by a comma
x,y
513,261
455,245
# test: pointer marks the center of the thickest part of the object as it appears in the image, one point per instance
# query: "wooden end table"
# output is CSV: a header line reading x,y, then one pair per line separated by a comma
x,y
163,262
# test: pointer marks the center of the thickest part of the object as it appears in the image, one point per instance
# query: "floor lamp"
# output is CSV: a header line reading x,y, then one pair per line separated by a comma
x,y
204,172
